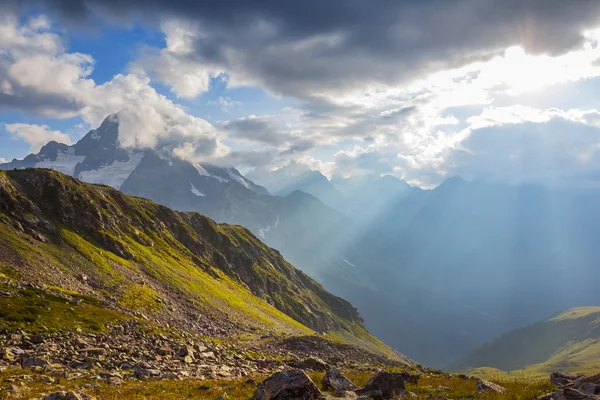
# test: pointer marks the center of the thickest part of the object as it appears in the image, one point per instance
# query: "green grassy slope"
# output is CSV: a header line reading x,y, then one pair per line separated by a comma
x,y
568,342
176,268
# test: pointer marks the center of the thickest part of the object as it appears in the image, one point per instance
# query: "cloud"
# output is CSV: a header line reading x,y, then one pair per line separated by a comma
x,y
226,103
254,128
3,160
551,146
311,47
36,135
37,75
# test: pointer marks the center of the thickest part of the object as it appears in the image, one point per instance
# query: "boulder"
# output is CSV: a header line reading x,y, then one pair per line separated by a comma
x,y
335,381
311,364
560,379
486,386
574,394
390,384
291,384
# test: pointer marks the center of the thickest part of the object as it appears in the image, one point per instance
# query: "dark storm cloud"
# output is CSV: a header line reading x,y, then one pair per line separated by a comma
x,y
260,129
302,47
299,146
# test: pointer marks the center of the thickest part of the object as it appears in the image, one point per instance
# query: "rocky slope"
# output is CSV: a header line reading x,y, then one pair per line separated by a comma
x,y
568,342
178,269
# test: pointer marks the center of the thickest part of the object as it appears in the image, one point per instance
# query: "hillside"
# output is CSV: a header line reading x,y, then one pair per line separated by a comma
x,y
175,268
568,342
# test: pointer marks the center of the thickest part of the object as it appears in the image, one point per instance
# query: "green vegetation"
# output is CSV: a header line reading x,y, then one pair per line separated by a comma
x,y
36,311
568,342
138,297
185,260
238,389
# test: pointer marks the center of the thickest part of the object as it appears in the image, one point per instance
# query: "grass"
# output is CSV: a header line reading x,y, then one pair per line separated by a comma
x,y
36,311
138,297
238,389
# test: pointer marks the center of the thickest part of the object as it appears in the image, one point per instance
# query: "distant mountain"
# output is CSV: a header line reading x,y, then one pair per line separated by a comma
x,y
316,184
568,342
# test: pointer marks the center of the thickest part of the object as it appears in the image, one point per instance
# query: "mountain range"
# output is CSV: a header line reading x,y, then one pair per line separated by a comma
x,y
433,273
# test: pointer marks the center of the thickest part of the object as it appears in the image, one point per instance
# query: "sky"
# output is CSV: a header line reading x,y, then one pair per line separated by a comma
x,y
423,90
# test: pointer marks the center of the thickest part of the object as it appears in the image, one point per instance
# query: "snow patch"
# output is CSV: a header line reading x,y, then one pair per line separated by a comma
x,y
115,174
220,179
196,191
65,162
201,169
237,178
349,263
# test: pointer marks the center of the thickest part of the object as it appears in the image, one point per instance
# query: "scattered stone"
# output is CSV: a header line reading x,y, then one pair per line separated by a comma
x,y
291,384
388,383
486,386
65,396
311,364
335,381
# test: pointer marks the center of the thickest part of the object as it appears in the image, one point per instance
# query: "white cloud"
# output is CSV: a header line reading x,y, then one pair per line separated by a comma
x,y
38,75
2,160
173,65
36,135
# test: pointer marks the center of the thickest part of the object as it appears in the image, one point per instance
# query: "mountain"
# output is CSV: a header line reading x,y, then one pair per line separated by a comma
x,y
398,253
567,342
316,184
182,269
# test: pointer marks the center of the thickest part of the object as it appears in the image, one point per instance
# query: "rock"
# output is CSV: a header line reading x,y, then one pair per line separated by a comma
x,y
37,339
185,351
371,394
560,379
11,354
574,394
208,354
93,351
388,383
291,384
64,396
335,381
312,364
147,373
33,362
222,397
485,386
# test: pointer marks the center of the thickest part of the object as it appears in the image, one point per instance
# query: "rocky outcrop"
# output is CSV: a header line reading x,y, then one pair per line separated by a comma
x,y
292,384
574,387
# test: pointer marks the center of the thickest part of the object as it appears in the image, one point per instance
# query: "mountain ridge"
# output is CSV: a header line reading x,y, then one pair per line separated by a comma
x,y
53,219
568,342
